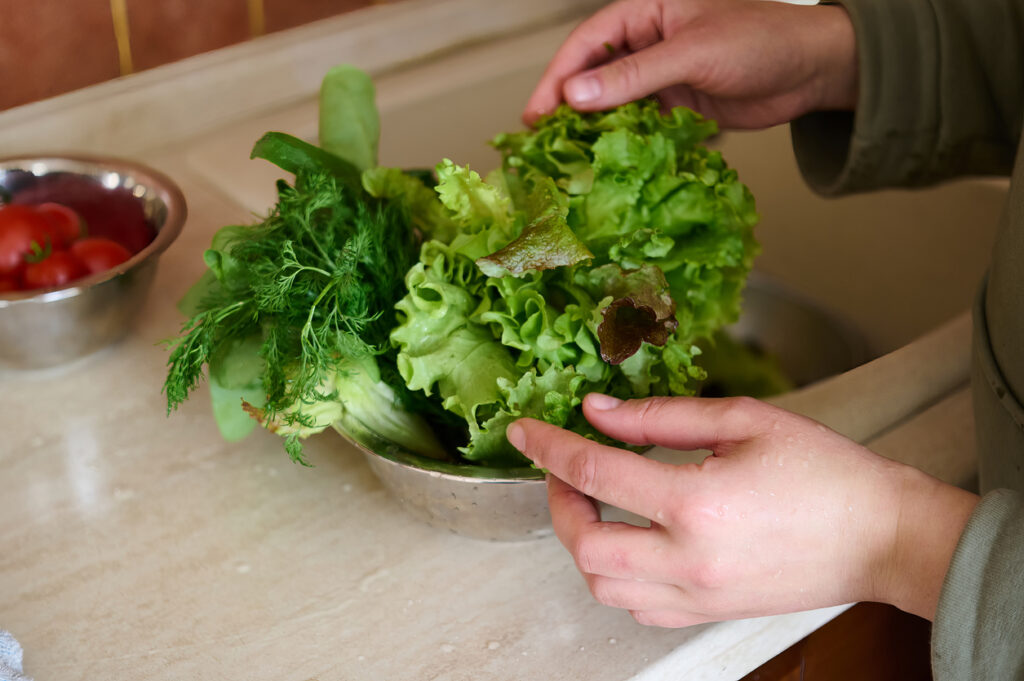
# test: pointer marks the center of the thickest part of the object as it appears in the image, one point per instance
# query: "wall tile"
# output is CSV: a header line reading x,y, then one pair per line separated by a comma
x,y
164,31
282,14
48,47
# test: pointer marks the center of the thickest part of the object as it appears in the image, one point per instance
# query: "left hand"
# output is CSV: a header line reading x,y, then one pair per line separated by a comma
x,y
745,63
786,515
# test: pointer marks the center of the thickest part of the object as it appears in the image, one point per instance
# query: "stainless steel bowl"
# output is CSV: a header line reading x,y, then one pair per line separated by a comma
x,y
511,504
499,504
53,326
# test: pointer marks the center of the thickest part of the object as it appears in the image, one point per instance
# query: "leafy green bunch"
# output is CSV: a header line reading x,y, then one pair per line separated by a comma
x,y
595,259
405,305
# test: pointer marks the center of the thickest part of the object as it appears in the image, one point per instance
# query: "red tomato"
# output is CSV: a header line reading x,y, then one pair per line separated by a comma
x,y
60,268
66,222
114,213
22,231
99,254
8,283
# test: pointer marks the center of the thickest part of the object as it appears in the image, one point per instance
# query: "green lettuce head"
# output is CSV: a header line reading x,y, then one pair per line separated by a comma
x,y
605,248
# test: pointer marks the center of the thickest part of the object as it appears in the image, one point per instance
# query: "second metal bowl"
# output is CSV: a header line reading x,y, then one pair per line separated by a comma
x,y
53,326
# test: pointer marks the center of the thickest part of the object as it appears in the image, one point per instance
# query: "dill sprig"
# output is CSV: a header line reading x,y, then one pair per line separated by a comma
x,y
317,280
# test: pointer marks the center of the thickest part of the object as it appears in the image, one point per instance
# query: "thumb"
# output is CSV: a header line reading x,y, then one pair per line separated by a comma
x,y
629,78
684,423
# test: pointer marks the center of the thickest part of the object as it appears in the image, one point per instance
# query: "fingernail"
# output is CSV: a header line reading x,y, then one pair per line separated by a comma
x,y
516,436
602,402
582,89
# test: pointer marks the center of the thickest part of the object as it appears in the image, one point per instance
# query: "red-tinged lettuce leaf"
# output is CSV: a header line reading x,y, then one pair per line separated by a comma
x,y
641,310
545,244
628,324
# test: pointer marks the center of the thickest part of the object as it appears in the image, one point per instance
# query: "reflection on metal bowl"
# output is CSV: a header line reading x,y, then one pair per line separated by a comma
x,y
808,342
511,504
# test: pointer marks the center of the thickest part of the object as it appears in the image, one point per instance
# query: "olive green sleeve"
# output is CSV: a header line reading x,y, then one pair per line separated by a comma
x,y
941,94
979,627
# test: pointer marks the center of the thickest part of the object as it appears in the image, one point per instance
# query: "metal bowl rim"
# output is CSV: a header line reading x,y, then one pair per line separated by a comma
x,y
167,190
397,457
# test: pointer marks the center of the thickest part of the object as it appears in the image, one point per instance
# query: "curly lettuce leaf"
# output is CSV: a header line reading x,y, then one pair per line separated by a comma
x,y
546,319
642,190
481,211
440,349
551,396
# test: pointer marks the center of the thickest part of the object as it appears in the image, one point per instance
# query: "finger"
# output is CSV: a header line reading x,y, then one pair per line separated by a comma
x,y
632,77
615,476
572,512
670,619
685,423
629,594
574,56
607,33
608,549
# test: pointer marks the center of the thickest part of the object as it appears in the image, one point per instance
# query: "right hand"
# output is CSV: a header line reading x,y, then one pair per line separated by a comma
x,y
786,515
745,63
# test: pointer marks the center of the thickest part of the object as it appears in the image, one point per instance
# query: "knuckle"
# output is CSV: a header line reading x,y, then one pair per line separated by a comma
x,y
594,556
707,576
687,514
652,412
627,72
680,516
746,413
584,553
604,591
741,407
583,471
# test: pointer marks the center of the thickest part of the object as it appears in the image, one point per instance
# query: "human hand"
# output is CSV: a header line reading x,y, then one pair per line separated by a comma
x,y
787,515
745,63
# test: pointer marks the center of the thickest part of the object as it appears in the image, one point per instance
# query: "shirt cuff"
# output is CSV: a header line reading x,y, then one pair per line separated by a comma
x,y
979,625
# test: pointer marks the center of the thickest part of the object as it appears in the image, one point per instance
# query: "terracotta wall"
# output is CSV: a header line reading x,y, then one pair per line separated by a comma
x,y
48,47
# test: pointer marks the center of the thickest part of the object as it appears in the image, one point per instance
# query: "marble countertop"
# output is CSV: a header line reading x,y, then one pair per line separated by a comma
x,y
136,545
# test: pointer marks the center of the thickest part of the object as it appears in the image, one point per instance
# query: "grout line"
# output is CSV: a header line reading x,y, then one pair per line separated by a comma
x,y
119,15
257,18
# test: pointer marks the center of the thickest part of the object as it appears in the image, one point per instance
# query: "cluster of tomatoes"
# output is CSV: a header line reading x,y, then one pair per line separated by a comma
x,y
48,245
